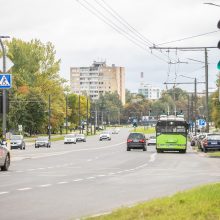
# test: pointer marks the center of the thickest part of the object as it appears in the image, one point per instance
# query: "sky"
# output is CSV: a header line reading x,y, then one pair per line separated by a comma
x,y
80,37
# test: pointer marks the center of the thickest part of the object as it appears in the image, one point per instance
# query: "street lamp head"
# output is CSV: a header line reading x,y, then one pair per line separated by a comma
x,y
4,36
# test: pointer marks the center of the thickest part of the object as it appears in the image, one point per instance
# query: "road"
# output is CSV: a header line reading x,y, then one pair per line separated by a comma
x,y
75,180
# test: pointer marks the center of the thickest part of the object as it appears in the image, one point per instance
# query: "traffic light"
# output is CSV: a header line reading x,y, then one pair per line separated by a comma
x,y
218,65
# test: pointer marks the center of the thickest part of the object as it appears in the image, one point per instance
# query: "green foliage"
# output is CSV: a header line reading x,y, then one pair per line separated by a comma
x,y
35,77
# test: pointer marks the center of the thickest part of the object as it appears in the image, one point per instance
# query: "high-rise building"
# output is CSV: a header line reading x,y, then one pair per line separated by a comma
x,y
98,79
149,91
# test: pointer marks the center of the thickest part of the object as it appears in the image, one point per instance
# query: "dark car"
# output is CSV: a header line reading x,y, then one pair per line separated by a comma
x,y
136,141
17,142
211,142
42,142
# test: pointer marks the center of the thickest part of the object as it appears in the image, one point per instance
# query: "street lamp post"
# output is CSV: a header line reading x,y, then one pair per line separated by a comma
x,y
66,113
3,91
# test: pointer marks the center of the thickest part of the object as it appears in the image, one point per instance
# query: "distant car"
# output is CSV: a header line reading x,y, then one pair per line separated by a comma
x,y
42,142
211,142
151,140
5,157
17,141
105,135
115,131
80,137
193,140
70,138
200,138
136,141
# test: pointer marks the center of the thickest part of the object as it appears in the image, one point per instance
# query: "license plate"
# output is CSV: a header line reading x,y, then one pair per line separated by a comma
x,y
135,140
214,142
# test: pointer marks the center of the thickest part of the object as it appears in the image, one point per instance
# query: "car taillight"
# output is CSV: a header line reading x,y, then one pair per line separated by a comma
x,y
129,140
142,141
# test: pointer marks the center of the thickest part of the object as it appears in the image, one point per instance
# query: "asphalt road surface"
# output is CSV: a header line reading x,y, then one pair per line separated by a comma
x,y
77,180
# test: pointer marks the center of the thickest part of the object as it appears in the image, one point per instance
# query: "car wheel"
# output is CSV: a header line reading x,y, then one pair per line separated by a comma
x,y
144,149
128,149
205,150
100,139
183,151
6,164
159,151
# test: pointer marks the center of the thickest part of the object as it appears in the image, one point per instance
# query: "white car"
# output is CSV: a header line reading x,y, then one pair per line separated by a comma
x,y
80,137
151,140
115,131
70,138
4,157
105,135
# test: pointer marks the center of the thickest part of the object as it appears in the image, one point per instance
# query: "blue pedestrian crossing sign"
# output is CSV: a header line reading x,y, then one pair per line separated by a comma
x,y
5,81
202,122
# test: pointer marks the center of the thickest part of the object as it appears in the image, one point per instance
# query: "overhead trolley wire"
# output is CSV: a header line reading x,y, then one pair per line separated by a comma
x,y
107,21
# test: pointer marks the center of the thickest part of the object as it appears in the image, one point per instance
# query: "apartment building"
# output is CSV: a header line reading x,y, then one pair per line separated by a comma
x,y
98,79
149,91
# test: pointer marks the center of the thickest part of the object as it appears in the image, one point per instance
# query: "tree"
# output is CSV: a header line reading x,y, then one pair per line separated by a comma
x,y
35,76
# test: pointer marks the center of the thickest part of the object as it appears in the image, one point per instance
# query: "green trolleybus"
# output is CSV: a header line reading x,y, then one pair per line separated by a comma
x,y
171,134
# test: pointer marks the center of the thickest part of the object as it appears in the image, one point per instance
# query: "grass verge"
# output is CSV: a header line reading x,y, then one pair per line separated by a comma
x,y
144,130
201,203
214,154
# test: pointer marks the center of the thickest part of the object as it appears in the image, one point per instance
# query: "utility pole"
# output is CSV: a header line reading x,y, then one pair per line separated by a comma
x,y
87,115
79,115
207,91
4,92
49,112
206,72
66,113
195,81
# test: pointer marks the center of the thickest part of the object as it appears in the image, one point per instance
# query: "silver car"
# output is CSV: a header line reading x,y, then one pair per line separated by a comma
x,y
80,137
17,141
4,157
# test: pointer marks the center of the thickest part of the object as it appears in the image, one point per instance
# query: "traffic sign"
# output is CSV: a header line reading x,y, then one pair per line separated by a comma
x,y
202,122
5,81
8,64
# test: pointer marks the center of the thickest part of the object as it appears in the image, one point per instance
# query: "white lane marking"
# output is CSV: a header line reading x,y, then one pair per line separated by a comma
x,y
34,156
77,180
110,174
64,182
19,171
89,160
31,169
153,157
24,189
2,193
89,178
45,185
101,175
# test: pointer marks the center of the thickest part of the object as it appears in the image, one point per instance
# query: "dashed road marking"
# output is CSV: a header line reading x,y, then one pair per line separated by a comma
x,y
64,182
45,185
153,157
2,193
77,180
24,189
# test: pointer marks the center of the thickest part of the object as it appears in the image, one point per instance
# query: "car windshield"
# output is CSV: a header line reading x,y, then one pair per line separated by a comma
x,y
16,137
214,137
70,136
136,136
152,137
105,132
42,139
